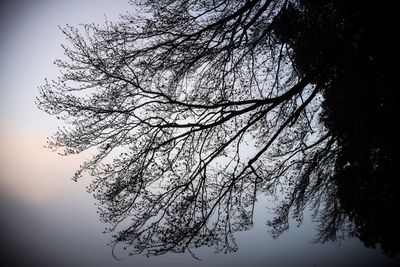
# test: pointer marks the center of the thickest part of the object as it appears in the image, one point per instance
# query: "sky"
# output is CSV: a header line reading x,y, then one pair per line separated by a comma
x,y
46,219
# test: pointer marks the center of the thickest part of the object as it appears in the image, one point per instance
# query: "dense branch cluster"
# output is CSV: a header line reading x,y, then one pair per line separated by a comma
x,y
194,108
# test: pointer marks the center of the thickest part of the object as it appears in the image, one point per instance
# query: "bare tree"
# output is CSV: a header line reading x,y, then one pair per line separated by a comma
x,y
193,109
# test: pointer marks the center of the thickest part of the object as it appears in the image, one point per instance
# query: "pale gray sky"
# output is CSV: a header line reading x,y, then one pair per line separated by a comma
x,y
48,220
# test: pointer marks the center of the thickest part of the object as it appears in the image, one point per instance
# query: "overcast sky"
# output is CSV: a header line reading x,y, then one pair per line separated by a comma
x,y
48,220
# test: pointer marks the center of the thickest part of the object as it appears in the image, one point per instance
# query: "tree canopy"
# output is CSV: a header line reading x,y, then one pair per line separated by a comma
x,y
194,108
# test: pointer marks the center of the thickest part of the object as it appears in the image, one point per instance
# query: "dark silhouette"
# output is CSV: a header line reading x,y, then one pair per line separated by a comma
x,y
198,106
354,41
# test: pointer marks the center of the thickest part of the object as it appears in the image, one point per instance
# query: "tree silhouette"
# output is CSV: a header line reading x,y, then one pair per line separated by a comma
x,y
196,107
360,108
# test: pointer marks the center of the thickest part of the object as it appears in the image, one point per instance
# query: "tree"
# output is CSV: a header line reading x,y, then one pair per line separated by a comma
x,y
196,107
361,107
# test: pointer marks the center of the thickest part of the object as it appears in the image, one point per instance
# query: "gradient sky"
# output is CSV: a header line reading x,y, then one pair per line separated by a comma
x,y
48,220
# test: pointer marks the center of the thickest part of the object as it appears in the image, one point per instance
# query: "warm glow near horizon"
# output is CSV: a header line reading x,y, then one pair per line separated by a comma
x,y
31,172
30,40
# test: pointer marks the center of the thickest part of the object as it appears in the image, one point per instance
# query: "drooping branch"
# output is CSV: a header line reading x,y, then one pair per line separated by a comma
x,y
192,111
